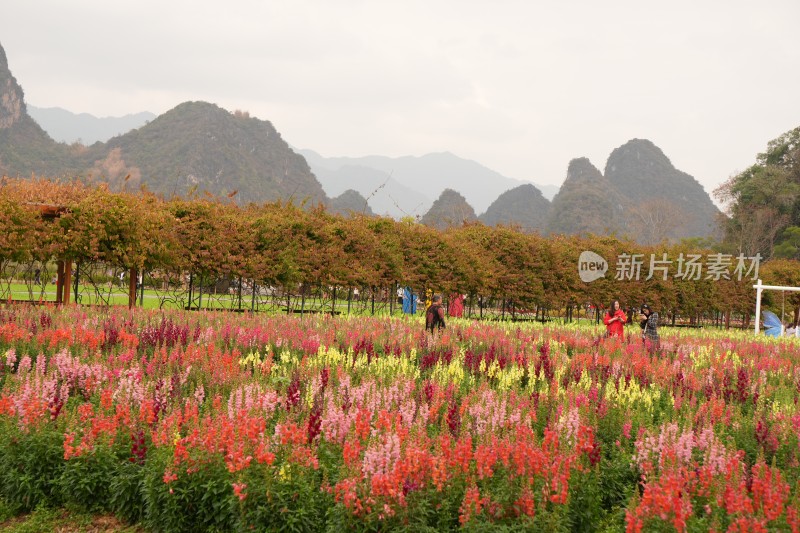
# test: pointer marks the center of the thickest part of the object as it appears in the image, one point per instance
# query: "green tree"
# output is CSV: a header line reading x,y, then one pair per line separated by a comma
x,y
789,248
764,200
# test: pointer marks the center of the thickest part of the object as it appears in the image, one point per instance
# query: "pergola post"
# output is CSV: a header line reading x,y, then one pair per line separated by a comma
x,y
59,282
67,282
132,289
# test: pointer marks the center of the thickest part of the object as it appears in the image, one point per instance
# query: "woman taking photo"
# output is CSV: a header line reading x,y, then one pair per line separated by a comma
x,y
648,321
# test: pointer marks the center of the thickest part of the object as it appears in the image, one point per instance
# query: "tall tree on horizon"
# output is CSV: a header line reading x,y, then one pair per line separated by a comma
x,y
763,201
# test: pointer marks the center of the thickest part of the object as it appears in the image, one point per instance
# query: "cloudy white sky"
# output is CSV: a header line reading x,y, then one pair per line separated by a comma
x,y
519,86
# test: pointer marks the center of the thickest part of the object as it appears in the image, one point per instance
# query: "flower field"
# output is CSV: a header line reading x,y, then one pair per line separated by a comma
x,y
239,422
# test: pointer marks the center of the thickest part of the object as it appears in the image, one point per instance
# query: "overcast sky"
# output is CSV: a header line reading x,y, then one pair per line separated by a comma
x,y
519,86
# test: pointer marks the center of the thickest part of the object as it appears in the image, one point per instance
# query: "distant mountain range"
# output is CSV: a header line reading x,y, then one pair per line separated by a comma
x,y
404,190
199,147
68,127
407,186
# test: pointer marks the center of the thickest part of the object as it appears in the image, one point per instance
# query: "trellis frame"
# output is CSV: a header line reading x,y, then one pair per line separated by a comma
x,y
759,287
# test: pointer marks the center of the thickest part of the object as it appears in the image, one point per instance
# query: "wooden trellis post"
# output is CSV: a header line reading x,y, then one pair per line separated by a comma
x,y
132,289
65,286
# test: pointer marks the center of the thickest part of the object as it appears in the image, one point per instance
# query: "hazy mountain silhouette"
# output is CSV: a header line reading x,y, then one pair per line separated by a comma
x,y
586,202
428,175
200,146
642,173
449,210
641,195
348,202
523,206
385,195
68,127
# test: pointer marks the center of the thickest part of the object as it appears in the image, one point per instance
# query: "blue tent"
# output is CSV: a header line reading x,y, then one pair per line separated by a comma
x,y
409,301
772,324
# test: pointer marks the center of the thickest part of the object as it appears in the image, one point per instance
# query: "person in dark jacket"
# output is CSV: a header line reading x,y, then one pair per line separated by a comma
x,y
434,318
648,321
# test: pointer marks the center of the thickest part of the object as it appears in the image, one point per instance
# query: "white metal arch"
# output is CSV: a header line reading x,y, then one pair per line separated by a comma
x,y
759,288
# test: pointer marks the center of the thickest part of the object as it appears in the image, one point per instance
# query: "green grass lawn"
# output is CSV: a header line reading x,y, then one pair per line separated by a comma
x,y
151,299
44,519
115,295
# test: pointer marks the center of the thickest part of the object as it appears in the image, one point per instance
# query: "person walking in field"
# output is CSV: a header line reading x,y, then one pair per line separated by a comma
x,y
434,319
615,320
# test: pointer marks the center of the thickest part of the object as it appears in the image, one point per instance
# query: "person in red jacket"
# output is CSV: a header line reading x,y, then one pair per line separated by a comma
x,y
615,320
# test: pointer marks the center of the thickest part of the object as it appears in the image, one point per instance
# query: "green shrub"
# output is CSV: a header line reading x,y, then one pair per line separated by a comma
x,y
291,502
85,481
127,490
30,467
200,501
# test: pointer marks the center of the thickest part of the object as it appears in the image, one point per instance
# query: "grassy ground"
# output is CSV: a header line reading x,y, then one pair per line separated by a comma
x,y
20,291
62,521
116,295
